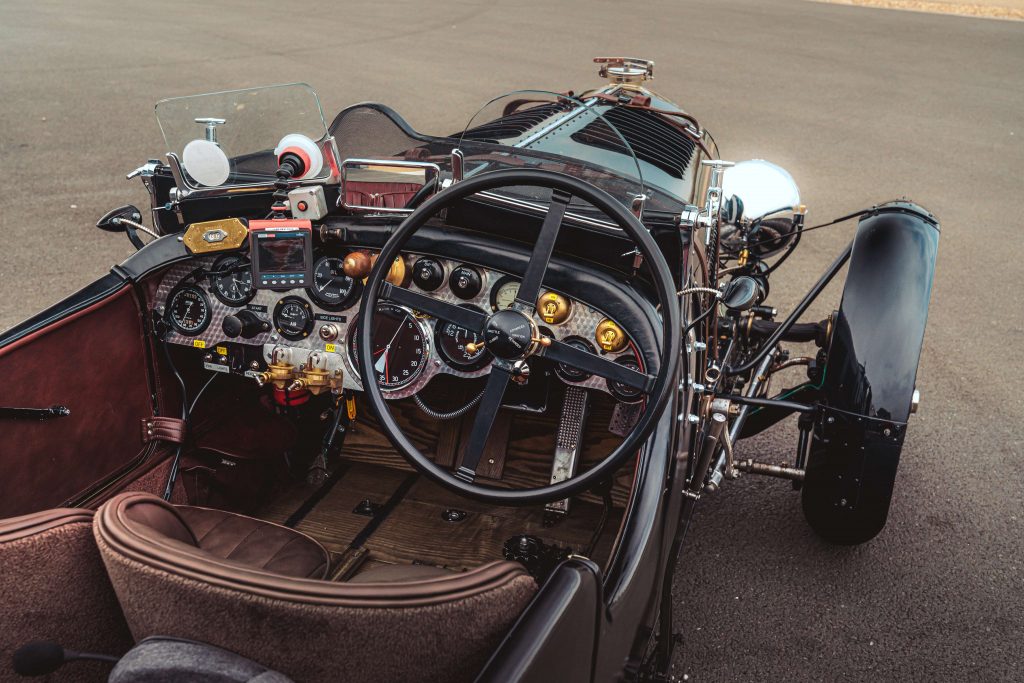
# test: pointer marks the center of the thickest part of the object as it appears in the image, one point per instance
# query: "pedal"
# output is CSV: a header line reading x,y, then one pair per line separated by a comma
x,y
568,442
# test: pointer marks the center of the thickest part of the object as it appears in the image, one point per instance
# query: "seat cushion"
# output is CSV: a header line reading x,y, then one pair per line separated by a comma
x,y
237,539
256,543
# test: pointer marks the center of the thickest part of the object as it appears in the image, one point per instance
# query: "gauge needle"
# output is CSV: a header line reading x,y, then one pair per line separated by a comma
x,y
382,362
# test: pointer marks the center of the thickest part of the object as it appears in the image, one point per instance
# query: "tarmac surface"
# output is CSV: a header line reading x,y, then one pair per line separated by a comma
x,y
861,105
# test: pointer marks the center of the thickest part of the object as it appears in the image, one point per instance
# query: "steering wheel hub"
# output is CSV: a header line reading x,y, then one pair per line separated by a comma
x,y
509,334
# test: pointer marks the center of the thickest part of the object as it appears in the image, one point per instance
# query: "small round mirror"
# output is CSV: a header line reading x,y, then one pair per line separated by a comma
x,y
206,163
756,188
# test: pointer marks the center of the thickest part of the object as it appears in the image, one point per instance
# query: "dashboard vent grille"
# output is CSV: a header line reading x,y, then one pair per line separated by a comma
x,y
517,123
653,139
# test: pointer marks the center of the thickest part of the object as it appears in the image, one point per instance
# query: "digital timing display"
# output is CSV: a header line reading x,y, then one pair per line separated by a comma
x,y
282,253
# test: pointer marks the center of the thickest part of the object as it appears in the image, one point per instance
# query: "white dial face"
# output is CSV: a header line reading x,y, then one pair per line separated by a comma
x,y
506,294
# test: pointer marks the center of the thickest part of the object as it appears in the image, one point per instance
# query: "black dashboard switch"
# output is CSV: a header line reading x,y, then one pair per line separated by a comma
x,y
244,324
428,273
465,282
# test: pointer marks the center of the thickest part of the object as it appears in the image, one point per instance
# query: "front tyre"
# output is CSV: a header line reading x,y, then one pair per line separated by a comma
x,y
871,371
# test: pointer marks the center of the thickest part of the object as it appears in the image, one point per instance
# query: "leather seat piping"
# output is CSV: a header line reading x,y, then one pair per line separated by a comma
x,y
115,535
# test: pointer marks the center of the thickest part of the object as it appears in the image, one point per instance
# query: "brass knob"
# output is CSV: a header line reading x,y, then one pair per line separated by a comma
x,y
553,308
357,265
610,336
396,275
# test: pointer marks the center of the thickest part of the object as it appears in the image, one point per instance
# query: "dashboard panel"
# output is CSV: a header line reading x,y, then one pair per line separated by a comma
x,y
209,303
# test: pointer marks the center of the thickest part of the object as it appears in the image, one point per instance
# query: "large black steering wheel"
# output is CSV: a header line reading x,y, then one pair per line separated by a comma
x,y
512,335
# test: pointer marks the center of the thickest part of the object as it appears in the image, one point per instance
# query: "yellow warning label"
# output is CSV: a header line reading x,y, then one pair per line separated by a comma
x,y
222,350
331,348
199,343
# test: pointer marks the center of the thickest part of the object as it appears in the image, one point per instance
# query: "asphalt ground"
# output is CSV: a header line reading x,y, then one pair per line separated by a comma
x,y
861,105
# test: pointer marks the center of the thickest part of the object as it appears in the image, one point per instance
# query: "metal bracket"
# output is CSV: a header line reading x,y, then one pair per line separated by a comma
x,y
34,413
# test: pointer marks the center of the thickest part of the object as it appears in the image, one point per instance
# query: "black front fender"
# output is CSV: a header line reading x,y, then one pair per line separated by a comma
x,y
871,373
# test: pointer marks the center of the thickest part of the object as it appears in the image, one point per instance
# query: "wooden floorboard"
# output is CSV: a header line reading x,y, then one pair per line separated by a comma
x,y
416,530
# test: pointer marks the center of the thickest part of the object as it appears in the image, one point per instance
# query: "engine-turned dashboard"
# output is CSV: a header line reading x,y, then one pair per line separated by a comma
x,y
296,329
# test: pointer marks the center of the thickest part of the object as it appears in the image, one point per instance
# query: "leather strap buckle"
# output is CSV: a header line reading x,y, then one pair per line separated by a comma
x,y
170,429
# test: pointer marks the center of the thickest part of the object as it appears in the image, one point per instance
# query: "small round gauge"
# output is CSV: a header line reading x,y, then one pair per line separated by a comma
x,y
233,283
332,289
624,393
293,318
451,340
504,293
399,346
188,310
569,373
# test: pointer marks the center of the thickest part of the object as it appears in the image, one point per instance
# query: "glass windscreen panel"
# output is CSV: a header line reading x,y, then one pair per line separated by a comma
x,y
229,138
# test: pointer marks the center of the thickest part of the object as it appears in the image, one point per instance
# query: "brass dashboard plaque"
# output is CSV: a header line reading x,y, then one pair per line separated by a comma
x,y
212,236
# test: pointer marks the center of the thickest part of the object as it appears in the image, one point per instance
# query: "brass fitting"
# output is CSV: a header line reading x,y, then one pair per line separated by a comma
x,y
553,308
278,374
610,336
315,379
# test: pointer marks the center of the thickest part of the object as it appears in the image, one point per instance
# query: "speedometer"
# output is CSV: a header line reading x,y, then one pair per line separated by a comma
x,y
188,310
399,346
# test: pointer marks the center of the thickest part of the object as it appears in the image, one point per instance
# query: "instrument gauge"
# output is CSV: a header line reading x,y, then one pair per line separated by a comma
x,y
188,310
231,280
332,289
293,318
569,373
451,340
399,344
504,293
624,393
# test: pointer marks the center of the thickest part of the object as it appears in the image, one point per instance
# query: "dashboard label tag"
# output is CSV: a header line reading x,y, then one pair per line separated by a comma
x,y
331,348
327,317
217,367
256,308
199,343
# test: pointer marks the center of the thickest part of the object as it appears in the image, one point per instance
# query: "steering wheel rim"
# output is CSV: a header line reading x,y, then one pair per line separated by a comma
x,y
502,334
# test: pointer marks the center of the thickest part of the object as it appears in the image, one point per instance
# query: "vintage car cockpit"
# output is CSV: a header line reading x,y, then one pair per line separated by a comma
x,y
365,389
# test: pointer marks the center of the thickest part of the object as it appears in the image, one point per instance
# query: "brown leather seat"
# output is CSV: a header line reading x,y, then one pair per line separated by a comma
x,y
308,629
53,586
226,536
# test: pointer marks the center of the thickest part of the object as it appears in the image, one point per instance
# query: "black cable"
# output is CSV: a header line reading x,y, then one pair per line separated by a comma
x,y
606,507
699,318
857,214
185,417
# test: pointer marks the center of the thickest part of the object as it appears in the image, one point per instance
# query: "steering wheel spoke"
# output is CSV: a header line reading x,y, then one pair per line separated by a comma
x,y
561,352
529,286
442,310
486,413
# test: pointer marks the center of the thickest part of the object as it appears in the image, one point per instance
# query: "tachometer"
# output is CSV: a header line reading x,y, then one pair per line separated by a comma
x,y
451,340
232,280
399,346
293,318
504,293
332,289
188,310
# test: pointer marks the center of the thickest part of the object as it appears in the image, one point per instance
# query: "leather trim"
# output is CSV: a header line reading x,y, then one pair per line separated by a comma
x,y
24,526
157,428
115,536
